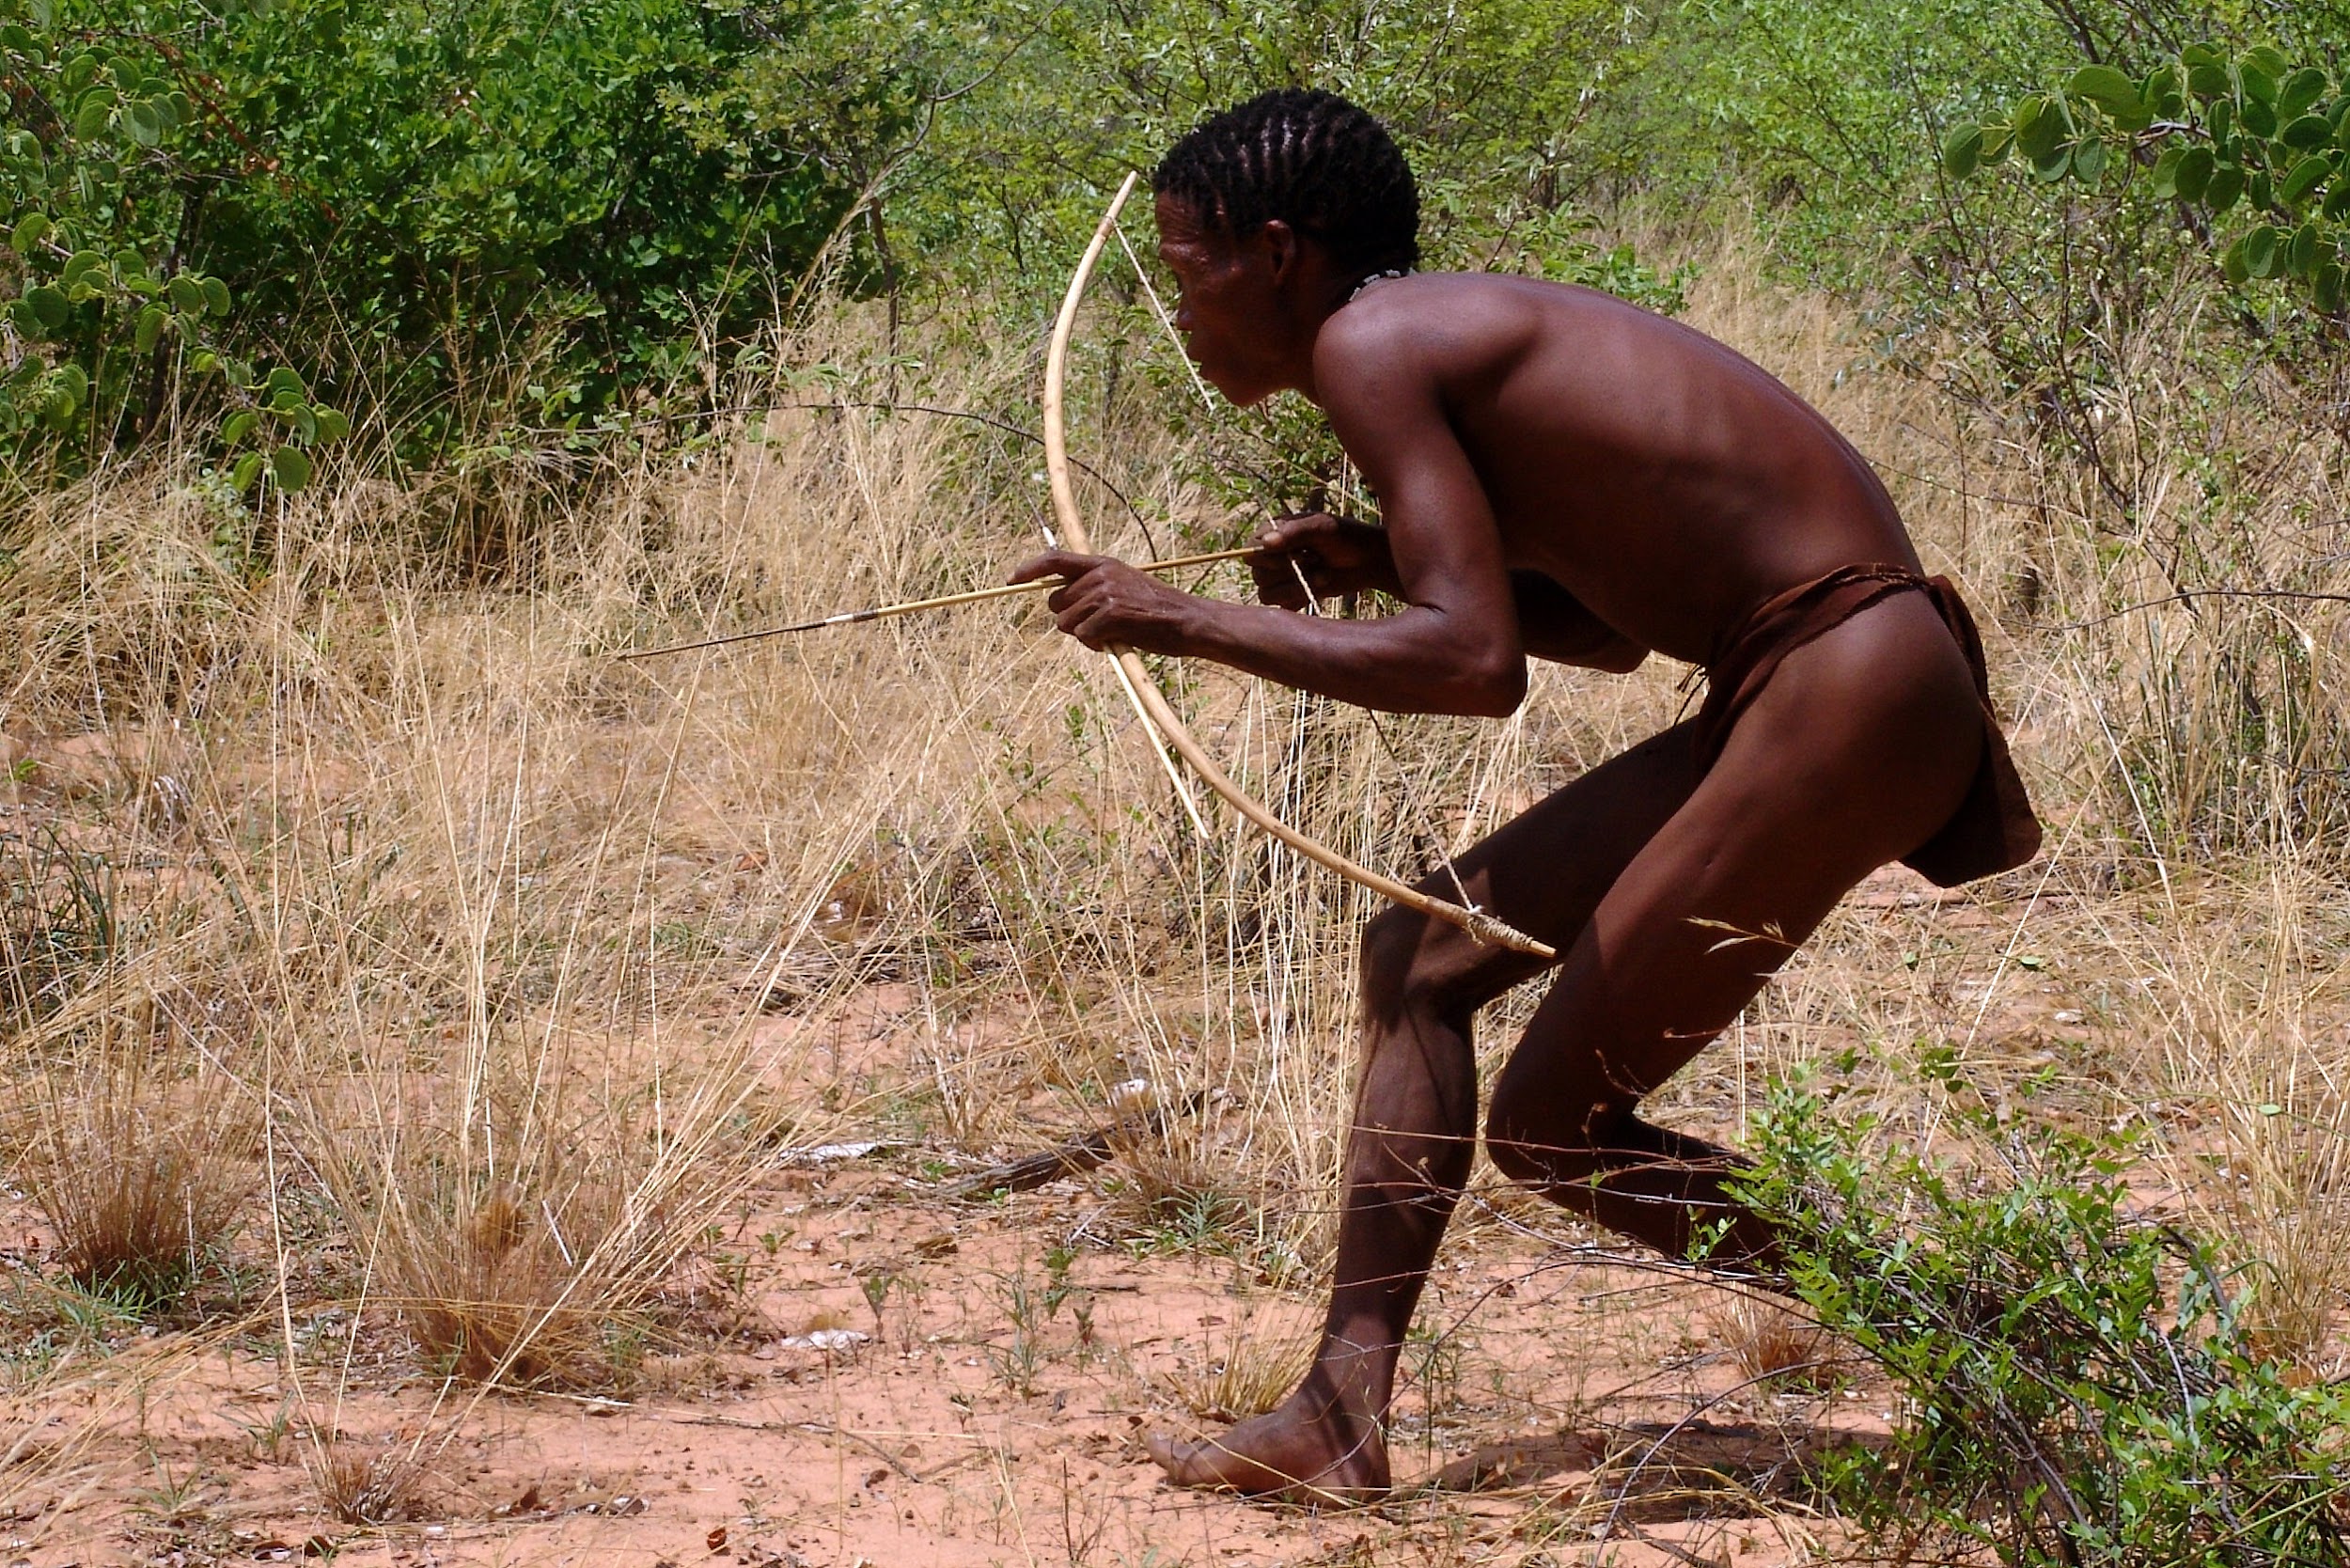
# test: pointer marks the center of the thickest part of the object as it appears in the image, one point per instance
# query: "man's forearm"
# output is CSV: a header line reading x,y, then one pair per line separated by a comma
x,y
1406,663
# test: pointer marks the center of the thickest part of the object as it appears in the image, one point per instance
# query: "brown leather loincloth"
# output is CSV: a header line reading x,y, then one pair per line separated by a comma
x,y
1994,829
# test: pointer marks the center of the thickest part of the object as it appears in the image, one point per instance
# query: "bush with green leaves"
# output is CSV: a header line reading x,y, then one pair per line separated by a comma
x,y
2252,144
514,213
111,324
2080,1387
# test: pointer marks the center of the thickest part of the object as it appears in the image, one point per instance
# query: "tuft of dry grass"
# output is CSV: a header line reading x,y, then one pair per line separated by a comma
x,y
1251,1365
1773,1348
363,1483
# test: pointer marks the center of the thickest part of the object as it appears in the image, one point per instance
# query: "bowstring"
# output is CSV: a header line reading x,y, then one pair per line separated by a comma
x,y
1346,486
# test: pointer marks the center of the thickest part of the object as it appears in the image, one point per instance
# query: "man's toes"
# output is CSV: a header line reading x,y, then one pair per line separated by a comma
x,y
1172,1457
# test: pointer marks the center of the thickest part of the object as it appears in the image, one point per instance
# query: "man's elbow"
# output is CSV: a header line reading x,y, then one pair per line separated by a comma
x,y
1494,691
1620,658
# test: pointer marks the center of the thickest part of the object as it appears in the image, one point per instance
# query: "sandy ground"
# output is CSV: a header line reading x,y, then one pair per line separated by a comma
x,y
1569,1406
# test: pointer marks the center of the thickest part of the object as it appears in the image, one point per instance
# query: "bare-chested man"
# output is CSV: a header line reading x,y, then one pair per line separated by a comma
x,y
1560,475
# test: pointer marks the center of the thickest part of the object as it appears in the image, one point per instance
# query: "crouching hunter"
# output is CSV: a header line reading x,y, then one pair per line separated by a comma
x,y
1565,477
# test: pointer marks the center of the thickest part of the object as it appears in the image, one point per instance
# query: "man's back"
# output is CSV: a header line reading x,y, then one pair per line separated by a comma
x,y
1664,480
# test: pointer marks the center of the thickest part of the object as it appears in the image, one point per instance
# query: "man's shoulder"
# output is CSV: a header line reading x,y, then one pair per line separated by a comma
x,y
1443,323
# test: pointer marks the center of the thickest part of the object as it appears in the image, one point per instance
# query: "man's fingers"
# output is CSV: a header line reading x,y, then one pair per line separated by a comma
x,y
1055,563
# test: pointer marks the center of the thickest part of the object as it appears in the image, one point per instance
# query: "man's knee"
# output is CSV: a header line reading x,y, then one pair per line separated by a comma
x,y
1411,961
1551,1136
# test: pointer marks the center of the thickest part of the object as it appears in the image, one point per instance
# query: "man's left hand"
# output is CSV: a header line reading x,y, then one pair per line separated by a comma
x,y
1106,603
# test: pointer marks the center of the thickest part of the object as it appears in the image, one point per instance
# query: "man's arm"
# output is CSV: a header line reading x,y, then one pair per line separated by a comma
x,y
1554,624
1453,646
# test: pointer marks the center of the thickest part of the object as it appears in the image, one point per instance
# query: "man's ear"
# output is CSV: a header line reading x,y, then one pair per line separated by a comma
x,y
1281,249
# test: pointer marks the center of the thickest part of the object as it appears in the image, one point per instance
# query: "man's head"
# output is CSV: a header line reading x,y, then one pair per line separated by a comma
x,y
1309,160
1270,214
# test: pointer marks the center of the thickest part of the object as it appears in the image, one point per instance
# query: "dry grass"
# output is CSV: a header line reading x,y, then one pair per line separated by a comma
x,y
475,977
1251,1365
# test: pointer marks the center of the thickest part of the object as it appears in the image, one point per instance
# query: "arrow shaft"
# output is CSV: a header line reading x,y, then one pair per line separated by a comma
x,y
884,612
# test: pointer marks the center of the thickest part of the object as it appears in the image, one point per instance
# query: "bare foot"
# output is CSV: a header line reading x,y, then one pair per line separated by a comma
x,y
1308,1451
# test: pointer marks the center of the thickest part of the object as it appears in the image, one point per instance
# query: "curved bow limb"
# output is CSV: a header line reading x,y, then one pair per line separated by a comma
x,y
1144,689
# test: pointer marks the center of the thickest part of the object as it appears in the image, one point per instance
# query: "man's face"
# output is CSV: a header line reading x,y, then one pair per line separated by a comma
x,y
1227,306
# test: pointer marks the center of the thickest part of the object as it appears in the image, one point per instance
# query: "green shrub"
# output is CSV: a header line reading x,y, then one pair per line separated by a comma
x,y
2080,1387
497,215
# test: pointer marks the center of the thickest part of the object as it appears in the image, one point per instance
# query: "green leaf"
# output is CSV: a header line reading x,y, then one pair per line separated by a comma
x,y
149,331
1961,151
2194,173
73,382
2056,165
2232,265
2260,248
2111,91
2208,81
49,306
31,229
187,296
215,296
2301,254
2166,177
237,426
95,114
2255,84
2259,118
2039,128
2226,187
2306,176
2089,160
144,125
2337,201
282,379
293,467
2268,61
333,425
82,267
2327,288
248,469
2307,131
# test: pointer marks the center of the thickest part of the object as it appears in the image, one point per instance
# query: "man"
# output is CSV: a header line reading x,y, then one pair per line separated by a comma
x,y
1563,476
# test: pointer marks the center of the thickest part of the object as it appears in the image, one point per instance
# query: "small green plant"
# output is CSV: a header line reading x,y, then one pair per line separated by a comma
x,y
876,1284
1017,1363
1031,1306
60,925
2082,1387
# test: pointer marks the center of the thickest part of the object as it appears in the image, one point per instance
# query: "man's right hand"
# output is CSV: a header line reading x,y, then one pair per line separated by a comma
x,y
1337,556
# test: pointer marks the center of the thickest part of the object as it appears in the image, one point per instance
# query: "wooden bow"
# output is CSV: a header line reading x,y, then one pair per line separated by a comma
x,y
1153,703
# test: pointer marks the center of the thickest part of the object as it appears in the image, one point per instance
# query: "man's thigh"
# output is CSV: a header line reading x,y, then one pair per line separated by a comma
x,y
1546,870
1821,783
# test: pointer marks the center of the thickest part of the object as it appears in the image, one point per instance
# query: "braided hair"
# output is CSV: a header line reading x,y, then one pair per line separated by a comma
x,y
1310,159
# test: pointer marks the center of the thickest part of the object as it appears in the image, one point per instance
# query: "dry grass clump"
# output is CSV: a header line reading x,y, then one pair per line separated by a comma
x,y
363,1483
1773,1348
135,1131
1251,1365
